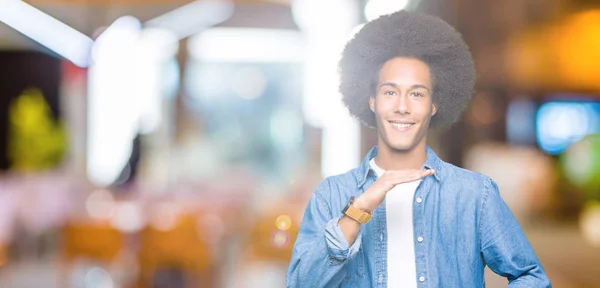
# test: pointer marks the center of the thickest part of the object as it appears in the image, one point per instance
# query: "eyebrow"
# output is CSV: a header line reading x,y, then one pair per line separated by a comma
x,y
411,87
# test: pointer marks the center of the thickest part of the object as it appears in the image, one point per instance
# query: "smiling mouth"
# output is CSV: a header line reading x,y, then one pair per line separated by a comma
x,y
401,126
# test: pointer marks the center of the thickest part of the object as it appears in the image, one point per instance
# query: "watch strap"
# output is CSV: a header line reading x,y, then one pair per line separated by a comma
x,y
357,214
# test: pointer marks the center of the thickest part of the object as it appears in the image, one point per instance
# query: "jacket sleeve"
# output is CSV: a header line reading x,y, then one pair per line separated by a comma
x,y
321,251
504,246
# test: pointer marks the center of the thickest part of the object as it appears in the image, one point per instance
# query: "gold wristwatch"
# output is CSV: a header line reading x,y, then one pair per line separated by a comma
x,y
356,214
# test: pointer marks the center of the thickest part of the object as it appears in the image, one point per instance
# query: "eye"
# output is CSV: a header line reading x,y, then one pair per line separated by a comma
x,y
389,93
416,94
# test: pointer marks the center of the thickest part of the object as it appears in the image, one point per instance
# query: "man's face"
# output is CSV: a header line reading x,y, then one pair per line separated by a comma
x,y
403,103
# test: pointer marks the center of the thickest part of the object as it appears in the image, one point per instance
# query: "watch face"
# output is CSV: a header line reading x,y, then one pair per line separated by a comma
x,y
348,205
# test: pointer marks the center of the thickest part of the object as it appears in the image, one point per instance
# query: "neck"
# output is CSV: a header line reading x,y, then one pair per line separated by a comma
x,y
389,158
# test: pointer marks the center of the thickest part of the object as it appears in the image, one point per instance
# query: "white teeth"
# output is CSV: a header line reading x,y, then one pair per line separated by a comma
x,y
401,125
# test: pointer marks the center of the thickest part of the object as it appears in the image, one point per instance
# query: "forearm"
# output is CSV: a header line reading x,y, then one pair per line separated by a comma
x,y
535,277
321,262
350,229
312,266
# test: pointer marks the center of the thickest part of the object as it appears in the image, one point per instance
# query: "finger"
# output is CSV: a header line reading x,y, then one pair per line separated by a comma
x,y
408,178
414,176
410,172
427,172
406,172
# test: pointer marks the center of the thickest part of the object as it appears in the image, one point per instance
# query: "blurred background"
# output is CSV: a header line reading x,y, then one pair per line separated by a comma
x,y
154,143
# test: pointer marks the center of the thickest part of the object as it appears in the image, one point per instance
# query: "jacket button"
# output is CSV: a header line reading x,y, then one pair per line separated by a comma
x,y
419,200
422,279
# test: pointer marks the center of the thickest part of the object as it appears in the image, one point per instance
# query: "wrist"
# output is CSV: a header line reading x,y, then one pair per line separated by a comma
x,y
346,220
358,214
361,204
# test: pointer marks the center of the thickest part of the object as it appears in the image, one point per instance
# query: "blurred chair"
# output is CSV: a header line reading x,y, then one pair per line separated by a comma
x,y
3,256
98,241
269,247
269,242
94,241
177,253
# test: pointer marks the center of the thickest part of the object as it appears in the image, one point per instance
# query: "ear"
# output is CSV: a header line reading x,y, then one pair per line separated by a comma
x,y
434,109
372,103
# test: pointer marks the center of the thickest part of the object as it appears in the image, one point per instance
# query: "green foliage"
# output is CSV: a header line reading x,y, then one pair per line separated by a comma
x,y
36,141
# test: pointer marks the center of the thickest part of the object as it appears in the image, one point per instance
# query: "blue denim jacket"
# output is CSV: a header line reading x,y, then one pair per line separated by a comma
x,y
464,224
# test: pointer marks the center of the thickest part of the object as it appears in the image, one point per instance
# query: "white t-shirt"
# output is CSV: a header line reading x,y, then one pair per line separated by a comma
x,y
401,248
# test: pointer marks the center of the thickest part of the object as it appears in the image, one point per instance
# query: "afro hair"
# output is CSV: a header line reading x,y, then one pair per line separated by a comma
x,y
410,35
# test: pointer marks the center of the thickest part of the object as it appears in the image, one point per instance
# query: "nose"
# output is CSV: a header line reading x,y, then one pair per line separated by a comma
x,y
403,105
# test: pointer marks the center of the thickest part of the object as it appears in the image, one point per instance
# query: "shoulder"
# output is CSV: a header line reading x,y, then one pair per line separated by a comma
x,y
467,181
456,172
336,190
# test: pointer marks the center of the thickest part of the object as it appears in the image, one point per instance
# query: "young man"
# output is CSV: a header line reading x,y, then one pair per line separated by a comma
x,y
405,218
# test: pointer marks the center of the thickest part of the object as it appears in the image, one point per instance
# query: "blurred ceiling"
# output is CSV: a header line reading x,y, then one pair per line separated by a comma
x,y
491,30
87,16
141,2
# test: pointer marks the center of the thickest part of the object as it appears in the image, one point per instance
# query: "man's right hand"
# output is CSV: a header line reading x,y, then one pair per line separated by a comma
x,y
373,197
